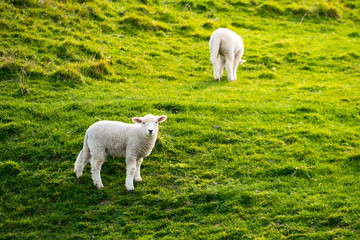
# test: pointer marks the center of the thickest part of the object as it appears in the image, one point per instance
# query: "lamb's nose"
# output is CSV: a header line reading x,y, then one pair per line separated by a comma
x,y
150,131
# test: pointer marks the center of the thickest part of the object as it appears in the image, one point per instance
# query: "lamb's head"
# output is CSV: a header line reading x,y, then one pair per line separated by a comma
x,y
149,124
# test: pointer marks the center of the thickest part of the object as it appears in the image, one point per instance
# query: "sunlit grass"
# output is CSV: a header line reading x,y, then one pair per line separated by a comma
x,y
273,155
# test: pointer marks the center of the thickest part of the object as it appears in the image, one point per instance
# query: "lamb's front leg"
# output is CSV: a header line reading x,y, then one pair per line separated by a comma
x,y
130,172
237,59
137,172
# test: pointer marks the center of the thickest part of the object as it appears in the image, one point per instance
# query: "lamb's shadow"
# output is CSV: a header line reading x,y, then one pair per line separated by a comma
x,y
353,162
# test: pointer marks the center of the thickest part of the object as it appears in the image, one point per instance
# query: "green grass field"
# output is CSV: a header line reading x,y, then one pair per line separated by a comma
x,y
274,155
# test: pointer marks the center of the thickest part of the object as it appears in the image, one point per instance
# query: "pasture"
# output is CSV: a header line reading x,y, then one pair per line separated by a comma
x,y
273,155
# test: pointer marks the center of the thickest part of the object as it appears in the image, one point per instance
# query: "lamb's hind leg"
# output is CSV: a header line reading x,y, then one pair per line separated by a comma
x,y
96,162
237,59
229,65
81,161
217,67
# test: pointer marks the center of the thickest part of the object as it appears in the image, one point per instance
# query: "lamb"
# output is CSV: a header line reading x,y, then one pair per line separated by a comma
x,y
118,139
226,49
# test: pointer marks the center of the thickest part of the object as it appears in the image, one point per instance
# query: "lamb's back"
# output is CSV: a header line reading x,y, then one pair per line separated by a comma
x,y
229,40
110,134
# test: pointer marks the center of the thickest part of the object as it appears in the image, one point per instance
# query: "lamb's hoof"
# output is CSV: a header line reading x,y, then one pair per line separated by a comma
x,y
130,188
99,185
138,179
78,174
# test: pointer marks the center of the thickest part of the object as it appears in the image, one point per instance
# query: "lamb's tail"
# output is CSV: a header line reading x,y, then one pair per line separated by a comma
x,y
214,48
82,159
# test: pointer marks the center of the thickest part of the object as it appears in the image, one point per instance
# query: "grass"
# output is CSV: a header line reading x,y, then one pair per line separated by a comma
x,y
274,155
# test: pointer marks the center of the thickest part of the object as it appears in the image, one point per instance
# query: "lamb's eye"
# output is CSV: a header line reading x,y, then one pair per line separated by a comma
x,y
156,122
143,123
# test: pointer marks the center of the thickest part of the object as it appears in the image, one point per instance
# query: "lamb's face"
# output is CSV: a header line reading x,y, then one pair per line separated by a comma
x,y
149,124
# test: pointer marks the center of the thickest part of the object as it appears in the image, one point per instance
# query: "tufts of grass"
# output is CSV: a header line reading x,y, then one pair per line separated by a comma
x,y
67,75
270,7
144,23
267,75
331,10
24,4
98,69
9,69
354,34
9,169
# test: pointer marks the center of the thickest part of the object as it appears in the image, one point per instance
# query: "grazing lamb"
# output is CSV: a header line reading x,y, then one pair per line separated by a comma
x,y
118,139
226,49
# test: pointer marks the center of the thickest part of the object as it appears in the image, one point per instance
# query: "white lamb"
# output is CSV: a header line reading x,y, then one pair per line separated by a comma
x,y
118,139
226,49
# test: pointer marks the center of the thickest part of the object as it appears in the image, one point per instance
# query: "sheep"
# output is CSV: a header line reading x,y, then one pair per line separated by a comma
x,y
226,49
118,139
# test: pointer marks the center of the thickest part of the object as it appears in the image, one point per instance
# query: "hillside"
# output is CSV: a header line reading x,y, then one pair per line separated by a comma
x,y
274,155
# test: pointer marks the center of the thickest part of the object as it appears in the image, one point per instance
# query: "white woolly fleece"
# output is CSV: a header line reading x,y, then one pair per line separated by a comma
x,y
226,50
118,139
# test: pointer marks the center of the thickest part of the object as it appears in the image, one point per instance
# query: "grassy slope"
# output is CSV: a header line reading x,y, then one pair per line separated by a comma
x,y
283,164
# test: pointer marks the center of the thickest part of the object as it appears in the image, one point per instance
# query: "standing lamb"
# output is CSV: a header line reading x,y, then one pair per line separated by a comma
x,y
226,49
118,139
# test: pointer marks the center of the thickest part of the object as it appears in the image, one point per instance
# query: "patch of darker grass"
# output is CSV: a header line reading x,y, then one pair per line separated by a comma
x,y
98,69
291,139
267,75
268,61
216,136
166,76
9,169
270,8
144,23
166,17
316,135
24,3
329,10
95,12
67,76
353,162
314,89
10,129
305,110
291,57
302,171
73,51
197,6
269,142
298,10
335,219
347,56
210,24
9,69
171,107
354,35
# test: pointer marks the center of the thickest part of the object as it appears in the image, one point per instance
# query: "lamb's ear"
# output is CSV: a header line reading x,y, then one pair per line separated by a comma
x,y
137,120
161,118
242,61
